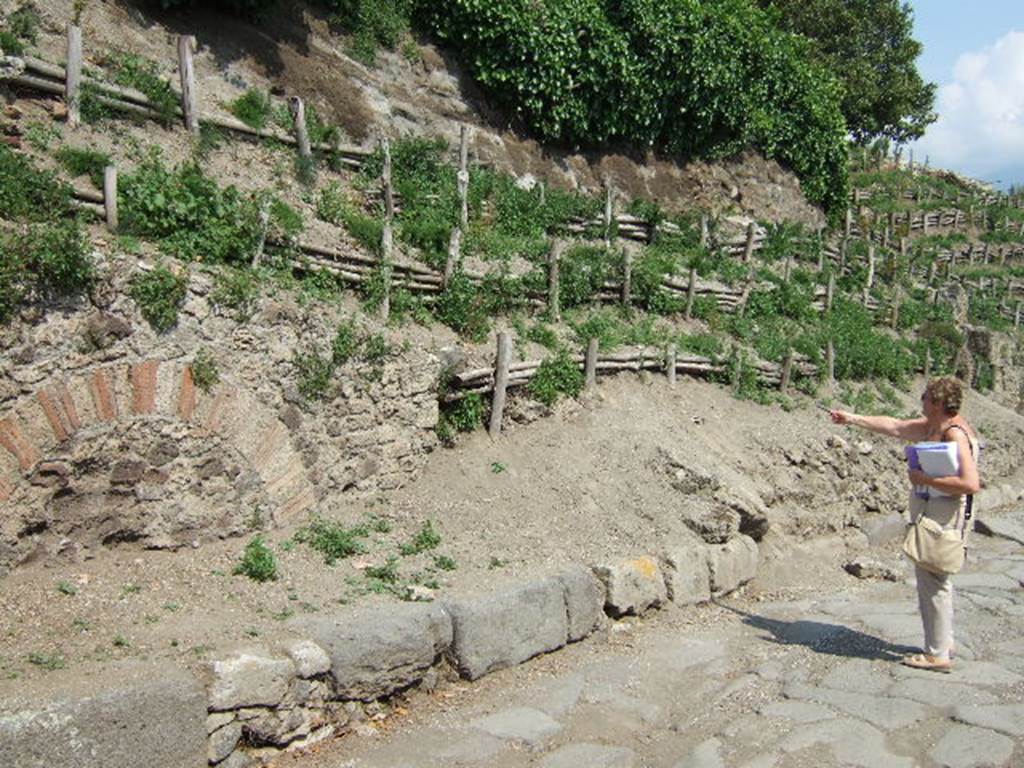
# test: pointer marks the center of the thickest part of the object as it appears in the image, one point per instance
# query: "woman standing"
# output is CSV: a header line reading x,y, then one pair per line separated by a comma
x,y
940,422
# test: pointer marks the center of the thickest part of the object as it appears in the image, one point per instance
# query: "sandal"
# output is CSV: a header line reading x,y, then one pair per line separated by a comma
x,y
924,661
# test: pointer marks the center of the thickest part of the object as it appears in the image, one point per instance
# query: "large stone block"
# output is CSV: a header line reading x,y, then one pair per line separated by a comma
x,y
632,586
732,564
687,575
584,600
508,626
131,714
248,678
381,649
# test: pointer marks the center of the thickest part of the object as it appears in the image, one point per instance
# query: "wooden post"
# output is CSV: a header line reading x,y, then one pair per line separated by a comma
x,y
454,254
924,223
691,292
748,249
869,283
830,362
844,245
554,308
264,224
501,365
627,277
705,235
830,292
894,311
821,250
73,79
670,364
1016,316
787,370
1002,257
590,365
788,269
298,110
910,161
463,177
932,267
927,364
110,196
189,96
848,224
608,201
903,253
387,234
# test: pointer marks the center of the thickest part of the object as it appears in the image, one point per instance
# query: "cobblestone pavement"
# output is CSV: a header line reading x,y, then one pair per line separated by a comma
x,y
813,682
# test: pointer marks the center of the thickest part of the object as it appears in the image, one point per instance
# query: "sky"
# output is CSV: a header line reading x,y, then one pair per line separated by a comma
x,y
974,52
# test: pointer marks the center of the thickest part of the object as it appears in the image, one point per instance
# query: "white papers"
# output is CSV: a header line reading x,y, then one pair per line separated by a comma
x,y
935,460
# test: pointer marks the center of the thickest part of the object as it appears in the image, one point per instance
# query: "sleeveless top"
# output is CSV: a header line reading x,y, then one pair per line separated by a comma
x,y
947,511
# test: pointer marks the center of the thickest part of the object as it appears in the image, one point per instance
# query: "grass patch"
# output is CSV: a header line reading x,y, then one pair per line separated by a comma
x,y
159,295
425,539
332,540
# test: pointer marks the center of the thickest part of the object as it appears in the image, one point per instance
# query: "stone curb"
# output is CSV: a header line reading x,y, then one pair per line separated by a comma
x,y
304,690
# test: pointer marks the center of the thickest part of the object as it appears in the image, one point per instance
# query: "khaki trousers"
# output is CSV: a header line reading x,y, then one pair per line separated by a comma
x,y
935,602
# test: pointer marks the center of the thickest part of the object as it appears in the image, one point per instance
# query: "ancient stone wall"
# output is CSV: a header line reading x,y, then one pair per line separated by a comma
x,y
106,438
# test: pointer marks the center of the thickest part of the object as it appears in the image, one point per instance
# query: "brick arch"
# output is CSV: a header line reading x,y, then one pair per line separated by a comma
x,y
79,404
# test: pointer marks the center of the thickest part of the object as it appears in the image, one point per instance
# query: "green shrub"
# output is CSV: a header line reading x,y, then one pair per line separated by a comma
x,y
463,415
253,108
258,562
204,370
582,272
142,74
371,23
346,343
687,77
335,542
188,213
557,376
84,162
464,308
334,208
27,193
159,295
314,375
21,27
237,289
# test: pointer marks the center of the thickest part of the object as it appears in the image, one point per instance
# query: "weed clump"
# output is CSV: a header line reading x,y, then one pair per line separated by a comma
x,y
557,376
425,539
159,295
335,542
258,562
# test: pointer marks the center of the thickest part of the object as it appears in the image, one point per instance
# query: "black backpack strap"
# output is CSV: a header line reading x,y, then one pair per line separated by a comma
x,y
969,505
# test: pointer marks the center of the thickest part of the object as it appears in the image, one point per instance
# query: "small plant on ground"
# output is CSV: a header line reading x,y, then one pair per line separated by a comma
x,y
159,294
425,539
67,588
236,289
556,377
332,540
47,661
387,573
258,561
254,108
314,375
444,563
142,74
204,370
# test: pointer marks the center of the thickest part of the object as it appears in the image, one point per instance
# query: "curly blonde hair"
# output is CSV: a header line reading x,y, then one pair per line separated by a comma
x,y
948,392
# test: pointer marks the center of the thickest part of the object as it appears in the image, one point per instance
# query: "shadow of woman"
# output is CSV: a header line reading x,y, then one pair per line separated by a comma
x,y
823,637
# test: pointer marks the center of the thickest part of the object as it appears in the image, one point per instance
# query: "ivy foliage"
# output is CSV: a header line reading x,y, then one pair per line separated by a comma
x,y
688,77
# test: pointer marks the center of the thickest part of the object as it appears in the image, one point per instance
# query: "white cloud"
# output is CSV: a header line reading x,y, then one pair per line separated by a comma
x,y
980,130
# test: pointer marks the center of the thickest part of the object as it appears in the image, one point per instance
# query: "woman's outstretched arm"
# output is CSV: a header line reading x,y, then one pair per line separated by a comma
x,y
911,430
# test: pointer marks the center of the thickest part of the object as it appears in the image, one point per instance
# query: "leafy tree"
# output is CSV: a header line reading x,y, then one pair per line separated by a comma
x,y
867,44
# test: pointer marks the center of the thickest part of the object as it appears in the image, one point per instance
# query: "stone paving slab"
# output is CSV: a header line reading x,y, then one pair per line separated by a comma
x,y
798,711
707,754
966,747
885,713
1005,718
519,724
852,743
937,692
858,676
984,673
591,756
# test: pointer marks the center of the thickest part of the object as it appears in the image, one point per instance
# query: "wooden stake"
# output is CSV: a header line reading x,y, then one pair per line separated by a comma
x,y
463,177
704,233
927,364
830,292
1016,316
73,78
608,215
554,306
189,96
627,277
454,254
748,248
590,365
894,316
691,292
501,364
110,196
670,364
787,370
830,362
788,270
387,235
264,224
298,109
848,224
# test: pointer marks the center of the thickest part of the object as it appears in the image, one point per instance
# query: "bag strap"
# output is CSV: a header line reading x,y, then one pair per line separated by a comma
x,y
969,503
